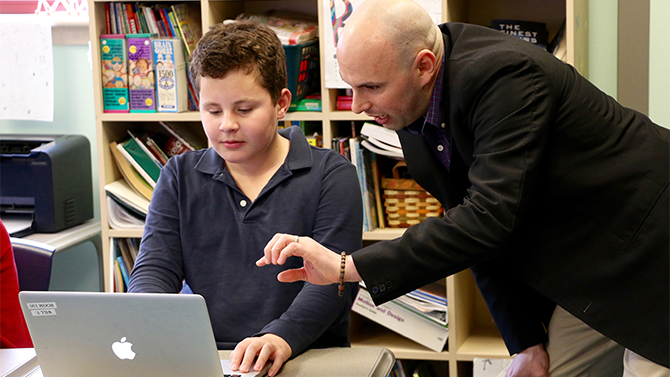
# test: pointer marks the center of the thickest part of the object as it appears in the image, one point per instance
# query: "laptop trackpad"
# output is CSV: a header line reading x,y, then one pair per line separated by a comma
x,y
228,372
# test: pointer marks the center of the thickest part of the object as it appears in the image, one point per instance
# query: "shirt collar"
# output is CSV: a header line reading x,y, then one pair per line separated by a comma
x,y
299,154
433,115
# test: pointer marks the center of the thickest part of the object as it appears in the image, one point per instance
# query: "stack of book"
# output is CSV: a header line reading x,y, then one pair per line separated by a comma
x,y
125,252
291,28
420,315
144,55
140,158
381,140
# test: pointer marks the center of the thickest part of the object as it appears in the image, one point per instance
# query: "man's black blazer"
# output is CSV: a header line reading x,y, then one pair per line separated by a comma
x,y
556,194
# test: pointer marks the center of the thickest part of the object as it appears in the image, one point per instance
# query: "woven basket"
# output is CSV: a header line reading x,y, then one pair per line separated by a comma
x,y
405,202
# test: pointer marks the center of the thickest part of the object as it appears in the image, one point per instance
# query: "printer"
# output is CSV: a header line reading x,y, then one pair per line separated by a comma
x,y
45,182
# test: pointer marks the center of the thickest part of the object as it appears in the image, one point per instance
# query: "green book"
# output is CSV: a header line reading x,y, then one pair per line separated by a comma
x,y
141,160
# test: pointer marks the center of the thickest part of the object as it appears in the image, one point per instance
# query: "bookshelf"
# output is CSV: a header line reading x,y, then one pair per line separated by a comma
x,y
472,331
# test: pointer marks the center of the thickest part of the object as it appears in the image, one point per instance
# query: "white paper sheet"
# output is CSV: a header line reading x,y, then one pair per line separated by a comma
x,y
26,68
336,13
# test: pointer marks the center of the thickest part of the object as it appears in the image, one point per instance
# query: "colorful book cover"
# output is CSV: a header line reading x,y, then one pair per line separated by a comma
x,y
171,86
141,73
114,57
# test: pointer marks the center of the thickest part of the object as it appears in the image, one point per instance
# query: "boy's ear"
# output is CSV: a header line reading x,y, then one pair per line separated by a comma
x,y
283,103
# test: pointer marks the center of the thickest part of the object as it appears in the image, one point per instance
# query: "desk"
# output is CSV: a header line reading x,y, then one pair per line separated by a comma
x,y
341,362
77,261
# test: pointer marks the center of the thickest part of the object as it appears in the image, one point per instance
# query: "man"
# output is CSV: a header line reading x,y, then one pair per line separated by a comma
x,y
557,196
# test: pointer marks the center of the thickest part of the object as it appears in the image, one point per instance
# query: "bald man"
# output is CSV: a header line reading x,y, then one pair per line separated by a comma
x,y
556,195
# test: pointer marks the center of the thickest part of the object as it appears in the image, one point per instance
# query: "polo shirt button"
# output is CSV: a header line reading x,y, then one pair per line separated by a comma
x,y
443,125
375,290
243,203
440,148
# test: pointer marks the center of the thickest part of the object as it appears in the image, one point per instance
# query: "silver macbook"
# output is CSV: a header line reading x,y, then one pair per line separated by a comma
x,y
79,334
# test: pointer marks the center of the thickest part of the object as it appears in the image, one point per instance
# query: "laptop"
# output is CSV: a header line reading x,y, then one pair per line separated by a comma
x,y
77,334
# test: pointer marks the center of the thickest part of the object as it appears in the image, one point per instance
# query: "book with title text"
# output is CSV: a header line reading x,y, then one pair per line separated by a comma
x,y
171,85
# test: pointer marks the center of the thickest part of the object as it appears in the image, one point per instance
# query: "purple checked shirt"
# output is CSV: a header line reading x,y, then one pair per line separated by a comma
x,y
433,129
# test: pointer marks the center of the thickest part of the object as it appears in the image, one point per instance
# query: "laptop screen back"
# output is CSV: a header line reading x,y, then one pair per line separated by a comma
x,y
121,334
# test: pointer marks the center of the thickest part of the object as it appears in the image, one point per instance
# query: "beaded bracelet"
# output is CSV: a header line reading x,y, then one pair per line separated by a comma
x,y
340,285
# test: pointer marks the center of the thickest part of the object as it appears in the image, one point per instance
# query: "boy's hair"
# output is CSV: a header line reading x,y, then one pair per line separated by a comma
x,y
241,45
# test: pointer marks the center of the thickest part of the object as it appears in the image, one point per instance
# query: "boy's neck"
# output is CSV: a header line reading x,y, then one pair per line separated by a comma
x,y
253,175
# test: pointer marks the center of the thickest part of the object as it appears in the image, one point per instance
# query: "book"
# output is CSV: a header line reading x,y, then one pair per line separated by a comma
x,y
183,138
189,24
124,272
130,174
375,146
120,217
366,158
291,28
376,176
114,59
530,31
118,278
309,103
382,134
142,88
486,367
155,149
354,150
171,86
402,321
141,161
120,190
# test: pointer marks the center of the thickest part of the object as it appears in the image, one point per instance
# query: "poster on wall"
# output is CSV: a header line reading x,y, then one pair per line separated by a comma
x,y
335,14
26,77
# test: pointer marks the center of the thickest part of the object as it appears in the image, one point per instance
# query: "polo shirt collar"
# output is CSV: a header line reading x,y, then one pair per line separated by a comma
x,y
299,154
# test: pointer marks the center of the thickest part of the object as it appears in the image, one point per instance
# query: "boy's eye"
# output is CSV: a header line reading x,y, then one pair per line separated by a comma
x,y
245,110
214,112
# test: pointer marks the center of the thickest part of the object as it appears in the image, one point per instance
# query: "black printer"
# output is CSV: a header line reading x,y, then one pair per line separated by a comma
x,y
45,182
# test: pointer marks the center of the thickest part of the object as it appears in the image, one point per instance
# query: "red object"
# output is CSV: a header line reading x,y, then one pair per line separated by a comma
x,y
13,330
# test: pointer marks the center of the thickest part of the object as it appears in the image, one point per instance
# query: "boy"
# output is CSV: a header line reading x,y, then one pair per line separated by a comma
x,y
213,211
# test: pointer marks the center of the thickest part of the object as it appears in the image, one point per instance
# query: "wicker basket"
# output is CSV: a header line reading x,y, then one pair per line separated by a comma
x,y
405,202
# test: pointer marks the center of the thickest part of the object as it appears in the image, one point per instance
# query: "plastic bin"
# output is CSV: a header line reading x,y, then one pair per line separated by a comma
x,y
302,68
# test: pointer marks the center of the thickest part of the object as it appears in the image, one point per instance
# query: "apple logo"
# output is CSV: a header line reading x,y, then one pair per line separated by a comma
x,y
123,350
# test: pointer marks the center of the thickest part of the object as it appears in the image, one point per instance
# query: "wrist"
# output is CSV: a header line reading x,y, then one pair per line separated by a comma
x,y
350,271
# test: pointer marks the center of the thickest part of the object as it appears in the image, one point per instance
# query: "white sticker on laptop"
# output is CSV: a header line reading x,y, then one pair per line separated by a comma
x,y
42,308
43,312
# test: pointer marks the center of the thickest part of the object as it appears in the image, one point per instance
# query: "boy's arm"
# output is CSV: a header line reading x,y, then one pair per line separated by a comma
x,y
158,268
318,310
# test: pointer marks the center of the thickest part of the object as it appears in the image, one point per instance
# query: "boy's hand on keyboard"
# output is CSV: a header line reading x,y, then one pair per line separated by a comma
x,y
268,347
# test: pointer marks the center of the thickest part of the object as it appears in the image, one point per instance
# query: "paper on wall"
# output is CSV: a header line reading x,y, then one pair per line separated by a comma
x,y
26,68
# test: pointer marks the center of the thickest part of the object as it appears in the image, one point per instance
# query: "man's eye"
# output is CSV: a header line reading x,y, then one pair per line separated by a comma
x,y
371,87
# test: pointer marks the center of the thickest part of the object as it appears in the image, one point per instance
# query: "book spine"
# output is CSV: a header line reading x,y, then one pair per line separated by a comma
x,y
142,77
131,18
171,90
166,21
114,59
108,21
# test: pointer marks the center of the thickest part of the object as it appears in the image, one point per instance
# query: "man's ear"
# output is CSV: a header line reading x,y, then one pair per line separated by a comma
x,y
426,63
283,103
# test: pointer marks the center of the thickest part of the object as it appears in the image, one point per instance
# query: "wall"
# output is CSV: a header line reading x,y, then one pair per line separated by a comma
x,y
603,45
659,63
